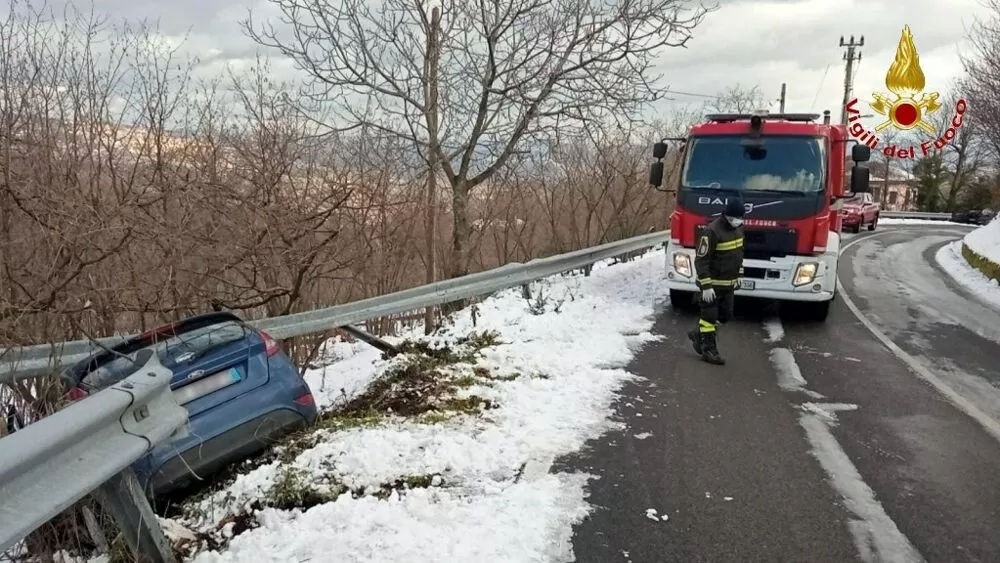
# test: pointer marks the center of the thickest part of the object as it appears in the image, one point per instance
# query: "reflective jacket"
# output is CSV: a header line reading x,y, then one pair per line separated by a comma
x,y
719,255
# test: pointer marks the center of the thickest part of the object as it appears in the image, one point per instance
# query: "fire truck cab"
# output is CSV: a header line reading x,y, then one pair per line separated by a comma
x,y
789,170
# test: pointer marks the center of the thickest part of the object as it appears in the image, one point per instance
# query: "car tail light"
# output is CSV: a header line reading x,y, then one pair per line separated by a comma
x,y
270,343
75,394
305,400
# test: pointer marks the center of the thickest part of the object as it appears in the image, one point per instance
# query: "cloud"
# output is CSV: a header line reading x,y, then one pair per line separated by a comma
x,y
767,42
752,42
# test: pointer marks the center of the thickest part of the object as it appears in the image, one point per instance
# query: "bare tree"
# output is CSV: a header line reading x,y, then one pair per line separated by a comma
x,y
963,154
510,72
982,81
739,99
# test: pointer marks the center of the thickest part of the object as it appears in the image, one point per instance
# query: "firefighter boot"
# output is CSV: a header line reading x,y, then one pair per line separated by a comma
x,y
695,337
710,350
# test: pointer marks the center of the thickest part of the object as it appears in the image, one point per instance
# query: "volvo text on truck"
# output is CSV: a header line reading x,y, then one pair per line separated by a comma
x,y
789,170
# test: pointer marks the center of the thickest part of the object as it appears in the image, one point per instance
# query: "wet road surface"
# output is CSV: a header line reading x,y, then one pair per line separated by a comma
x,y
816,442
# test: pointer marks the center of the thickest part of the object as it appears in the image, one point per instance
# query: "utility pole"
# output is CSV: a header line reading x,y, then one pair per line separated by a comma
x,y
781,100
433,123
850,56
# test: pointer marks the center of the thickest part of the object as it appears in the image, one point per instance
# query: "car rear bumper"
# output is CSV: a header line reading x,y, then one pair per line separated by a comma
x,y
165,474
231,431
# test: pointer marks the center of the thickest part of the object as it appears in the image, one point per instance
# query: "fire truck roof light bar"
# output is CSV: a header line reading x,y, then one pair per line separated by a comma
x,y
730,117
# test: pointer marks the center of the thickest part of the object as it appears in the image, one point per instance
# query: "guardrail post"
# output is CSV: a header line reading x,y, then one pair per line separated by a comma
x,y
123,497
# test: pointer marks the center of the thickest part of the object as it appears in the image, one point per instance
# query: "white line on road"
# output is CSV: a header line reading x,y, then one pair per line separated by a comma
x,y
991,426
876,536
789,376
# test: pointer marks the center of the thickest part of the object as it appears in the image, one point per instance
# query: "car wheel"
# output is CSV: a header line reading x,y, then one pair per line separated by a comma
x,y
874,224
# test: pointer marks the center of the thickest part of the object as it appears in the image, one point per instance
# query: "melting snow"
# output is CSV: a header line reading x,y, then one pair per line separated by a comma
x,y
492,497
951,260
985,241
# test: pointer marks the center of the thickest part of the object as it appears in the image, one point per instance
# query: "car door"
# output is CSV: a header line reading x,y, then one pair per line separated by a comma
x,y
868,208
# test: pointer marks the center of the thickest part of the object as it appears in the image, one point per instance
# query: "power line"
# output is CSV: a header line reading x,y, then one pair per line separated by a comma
x,y
693,94
820,87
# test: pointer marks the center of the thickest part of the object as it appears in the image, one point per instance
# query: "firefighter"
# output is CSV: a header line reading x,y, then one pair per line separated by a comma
x,y
718,265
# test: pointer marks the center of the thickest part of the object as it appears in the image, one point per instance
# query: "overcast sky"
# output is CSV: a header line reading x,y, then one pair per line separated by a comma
x,y
752,42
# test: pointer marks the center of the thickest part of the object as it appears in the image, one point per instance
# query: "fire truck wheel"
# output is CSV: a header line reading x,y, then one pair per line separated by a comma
x,y
682,301
817,311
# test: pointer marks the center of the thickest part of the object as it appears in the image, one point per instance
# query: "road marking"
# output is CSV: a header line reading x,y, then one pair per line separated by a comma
x,y
875,534
991,426
789,376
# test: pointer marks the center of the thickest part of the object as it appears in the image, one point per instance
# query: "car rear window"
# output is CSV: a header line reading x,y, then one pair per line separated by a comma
x,y
171,350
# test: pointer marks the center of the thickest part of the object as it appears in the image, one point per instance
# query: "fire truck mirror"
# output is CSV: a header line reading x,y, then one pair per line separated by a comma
x,y
860,177
656,174
659,150
861,153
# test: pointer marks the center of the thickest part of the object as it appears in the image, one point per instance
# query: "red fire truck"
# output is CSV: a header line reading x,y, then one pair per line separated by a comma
x,y
789,169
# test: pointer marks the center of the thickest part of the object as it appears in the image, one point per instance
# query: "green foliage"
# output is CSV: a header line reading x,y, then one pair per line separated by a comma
x,y
933,176
989,268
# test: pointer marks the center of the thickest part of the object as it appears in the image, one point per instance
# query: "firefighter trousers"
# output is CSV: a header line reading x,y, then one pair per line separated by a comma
x,y
717,312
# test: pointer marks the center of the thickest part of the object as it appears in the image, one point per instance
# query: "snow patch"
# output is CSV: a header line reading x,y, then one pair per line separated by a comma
x,y
985,241
950,258
789,376
526,521
775,331
642,435
828,411
352,367
491,496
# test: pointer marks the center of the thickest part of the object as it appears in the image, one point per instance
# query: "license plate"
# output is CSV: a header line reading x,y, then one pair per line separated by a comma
x,y
747,284
204,386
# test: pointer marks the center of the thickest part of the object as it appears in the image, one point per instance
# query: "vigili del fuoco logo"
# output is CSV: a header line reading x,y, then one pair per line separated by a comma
x,y
907,108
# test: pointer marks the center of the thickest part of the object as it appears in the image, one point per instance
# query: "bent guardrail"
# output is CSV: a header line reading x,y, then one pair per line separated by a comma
x,y
51,464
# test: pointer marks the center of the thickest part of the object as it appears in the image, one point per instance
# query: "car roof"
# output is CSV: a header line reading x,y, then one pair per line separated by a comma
x,y
140,341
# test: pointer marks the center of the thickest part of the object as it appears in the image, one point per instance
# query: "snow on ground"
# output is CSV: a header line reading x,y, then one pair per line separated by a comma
x,y
893,221
951,260
489,493
350,367
985,241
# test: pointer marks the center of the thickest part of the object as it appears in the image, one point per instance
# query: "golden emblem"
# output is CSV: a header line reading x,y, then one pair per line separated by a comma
x,y
905,79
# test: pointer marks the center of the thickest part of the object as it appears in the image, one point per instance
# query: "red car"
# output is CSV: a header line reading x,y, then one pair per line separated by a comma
x,y
858,211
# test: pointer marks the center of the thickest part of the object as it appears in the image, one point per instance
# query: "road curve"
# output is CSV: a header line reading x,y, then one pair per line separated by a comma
x,y
896,281
816,442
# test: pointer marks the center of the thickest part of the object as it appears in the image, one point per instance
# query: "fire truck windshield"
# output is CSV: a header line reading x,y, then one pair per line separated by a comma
x,y
792,164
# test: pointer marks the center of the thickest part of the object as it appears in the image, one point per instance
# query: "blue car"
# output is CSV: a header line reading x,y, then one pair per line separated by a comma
x,y
242,393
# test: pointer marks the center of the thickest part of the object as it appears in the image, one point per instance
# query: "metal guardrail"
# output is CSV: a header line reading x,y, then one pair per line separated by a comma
x,y
35,361
89,446
916,215
49,465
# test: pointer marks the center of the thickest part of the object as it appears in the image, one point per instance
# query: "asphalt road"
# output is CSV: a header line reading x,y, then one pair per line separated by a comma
x,y
816,442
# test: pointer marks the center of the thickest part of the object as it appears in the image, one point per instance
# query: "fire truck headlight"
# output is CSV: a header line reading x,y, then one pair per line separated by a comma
x,y
682,264
805,273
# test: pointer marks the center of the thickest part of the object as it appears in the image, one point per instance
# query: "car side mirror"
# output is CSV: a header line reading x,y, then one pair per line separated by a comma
x,y
659,150
861,153
656,174
860,179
